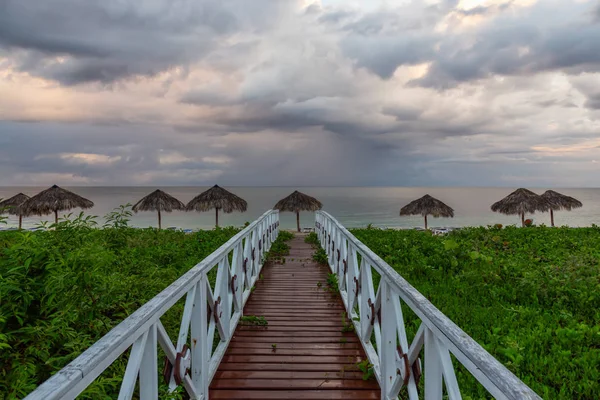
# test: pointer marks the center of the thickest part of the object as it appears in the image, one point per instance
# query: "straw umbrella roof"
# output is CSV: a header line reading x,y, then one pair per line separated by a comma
x,y
297,201
52,200
219,198
158,201
521,201
559,201
12,205
427,205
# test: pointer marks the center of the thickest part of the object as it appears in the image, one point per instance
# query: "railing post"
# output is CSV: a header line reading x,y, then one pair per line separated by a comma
x,y
149,368
199,339
388,340
433,368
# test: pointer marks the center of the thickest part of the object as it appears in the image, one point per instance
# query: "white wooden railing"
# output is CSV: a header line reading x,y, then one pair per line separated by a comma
x,y
191,361
396,363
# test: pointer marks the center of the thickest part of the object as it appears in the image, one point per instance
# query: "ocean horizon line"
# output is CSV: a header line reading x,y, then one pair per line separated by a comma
x,y
308,186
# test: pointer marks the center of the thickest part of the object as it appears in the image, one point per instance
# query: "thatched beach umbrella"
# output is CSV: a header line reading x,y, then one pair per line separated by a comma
x,y
53,200
158,201
297,202
558,201
11,206
218,198
427,205
519,202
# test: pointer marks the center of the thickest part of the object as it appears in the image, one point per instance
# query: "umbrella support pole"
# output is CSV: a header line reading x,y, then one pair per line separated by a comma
x,y
159,220
216,217
20,221
522,219
56,216
298,220
552,217
425,221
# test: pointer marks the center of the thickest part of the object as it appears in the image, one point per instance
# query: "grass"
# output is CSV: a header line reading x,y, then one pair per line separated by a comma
x,y
531,297
61,290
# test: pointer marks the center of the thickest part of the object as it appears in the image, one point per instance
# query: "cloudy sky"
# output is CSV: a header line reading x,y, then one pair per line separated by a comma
x,y
300,92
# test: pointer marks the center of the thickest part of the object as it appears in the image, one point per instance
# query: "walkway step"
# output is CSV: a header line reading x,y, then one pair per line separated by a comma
x,y
302,353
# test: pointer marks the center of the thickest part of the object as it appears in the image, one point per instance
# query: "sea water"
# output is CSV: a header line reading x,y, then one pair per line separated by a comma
x,y
352,206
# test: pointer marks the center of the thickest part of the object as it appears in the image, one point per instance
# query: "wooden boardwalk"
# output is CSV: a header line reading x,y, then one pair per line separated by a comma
x,y
302,353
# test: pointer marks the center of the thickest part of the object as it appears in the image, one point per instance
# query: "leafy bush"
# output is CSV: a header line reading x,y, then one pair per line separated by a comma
x,y
312,238
279,247
61,290
320,256
531,297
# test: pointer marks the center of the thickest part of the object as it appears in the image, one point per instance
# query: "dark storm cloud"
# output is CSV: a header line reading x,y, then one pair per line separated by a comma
x,y
204,97
289,97
382,55
107,41
403,114
483,10
593,102
557,102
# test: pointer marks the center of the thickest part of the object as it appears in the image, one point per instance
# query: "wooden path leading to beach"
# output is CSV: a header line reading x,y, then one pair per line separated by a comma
x,y
302,353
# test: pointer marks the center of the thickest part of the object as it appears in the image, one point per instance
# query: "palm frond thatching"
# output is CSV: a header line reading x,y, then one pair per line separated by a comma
x,y
218,198
53,200
158,201
520,202
425,206
12,206
558,201
297,202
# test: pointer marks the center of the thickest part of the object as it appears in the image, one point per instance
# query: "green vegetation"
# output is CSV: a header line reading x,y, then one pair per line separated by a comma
x,y
320,256
531,297
332,283
61,290
367,369
253,320
347,325
279,248
312,238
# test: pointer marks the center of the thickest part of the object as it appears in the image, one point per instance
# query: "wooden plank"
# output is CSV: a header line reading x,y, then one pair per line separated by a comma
x,y
225,366
300,339
302,353
313,346
293,394
295,383
288,375
280,351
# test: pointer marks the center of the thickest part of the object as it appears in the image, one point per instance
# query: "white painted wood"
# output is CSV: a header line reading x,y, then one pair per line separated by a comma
x,y
387,347
496,379
401,330
75,377
367,294
149,368
200,352
185,319
433,368
448,372
133,368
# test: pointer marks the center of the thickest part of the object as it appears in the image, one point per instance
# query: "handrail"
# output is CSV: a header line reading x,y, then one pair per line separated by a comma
x,y
380,315
206,310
